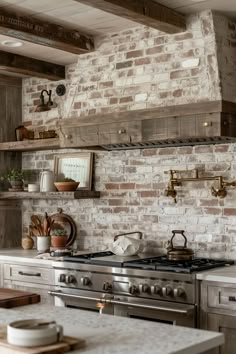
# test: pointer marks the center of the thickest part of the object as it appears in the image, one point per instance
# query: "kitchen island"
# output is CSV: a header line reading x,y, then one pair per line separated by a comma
x,y
105,334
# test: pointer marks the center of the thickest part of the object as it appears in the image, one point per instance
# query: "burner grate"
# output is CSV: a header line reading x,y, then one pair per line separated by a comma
x,y
162,263
88,257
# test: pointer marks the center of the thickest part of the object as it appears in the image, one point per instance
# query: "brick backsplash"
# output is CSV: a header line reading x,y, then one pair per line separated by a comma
x,y
132,185
136,69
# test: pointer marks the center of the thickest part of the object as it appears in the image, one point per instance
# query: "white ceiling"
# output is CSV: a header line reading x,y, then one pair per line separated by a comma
x,y
91,21
226,7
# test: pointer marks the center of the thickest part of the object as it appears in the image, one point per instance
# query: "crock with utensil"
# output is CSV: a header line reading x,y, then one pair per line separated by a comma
x,y
179,253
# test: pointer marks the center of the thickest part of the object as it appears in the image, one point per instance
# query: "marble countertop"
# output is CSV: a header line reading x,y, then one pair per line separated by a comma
x,y
226,275
105,334
22,256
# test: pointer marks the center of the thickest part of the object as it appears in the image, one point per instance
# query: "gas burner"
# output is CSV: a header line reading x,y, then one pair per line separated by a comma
x,y
88,257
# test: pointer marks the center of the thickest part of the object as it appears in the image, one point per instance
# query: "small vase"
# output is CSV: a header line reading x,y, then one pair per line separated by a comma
x,y
43,244
27,243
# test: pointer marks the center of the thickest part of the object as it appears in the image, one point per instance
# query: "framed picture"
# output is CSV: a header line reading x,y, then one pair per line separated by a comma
x,y
77,166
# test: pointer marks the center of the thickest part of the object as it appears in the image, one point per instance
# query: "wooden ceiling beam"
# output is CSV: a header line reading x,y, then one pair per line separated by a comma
x,y
146,12
22,65
44,33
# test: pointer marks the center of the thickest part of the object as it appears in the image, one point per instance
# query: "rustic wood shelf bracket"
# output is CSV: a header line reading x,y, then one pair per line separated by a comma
x,y
174,181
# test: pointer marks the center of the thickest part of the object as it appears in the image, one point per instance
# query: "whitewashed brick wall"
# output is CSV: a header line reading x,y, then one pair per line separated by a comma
x,y
142,68
226,53
135,69
132,187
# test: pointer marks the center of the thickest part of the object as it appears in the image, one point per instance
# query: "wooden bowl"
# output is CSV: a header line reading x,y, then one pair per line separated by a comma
x,y
66,186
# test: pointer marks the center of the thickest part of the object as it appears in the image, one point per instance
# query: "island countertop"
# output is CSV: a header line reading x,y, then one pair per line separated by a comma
x,y
106,334
226,275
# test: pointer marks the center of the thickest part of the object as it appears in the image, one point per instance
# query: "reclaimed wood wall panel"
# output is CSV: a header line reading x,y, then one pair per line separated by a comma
x,y
10,118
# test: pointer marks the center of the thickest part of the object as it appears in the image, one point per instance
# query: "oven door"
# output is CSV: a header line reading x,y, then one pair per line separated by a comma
x,y
154,310
133,307
83,300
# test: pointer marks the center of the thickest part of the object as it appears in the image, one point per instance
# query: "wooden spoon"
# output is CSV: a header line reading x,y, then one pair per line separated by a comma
x,y
45,224
35,219
34,230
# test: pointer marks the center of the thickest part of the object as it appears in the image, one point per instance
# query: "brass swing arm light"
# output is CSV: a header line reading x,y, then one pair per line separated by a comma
x,y
46,106
175,181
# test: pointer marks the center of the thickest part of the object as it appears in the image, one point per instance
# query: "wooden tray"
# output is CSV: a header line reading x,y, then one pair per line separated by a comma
x,y
66,345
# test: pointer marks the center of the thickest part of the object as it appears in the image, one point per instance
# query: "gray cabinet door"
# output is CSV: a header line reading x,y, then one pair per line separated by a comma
x,y
226,325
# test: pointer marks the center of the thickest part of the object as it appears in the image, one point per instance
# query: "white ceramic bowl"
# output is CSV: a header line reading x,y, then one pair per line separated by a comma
x,y
33,333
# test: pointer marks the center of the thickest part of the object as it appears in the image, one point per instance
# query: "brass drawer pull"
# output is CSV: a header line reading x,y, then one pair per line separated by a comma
x,y
232,298
29,274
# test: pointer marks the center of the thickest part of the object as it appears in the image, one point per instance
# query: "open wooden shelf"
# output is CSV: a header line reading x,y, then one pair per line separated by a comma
x,y
31,145
79,194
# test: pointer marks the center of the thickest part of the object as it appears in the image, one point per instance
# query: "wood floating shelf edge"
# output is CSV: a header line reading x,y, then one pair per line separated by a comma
x,y
30,145
79,194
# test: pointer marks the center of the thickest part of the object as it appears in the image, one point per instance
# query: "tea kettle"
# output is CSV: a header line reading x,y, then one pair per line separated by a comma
x,y
46,181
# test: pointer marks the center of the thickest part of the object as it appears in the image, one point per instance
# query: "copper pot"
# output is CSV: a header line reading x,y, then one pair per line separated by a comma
x,y
179,253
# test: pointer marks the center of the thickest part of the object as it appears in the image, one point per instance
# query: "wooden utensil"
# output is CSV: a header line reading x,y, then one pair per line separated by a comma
x,y
35,219
34,230
45,224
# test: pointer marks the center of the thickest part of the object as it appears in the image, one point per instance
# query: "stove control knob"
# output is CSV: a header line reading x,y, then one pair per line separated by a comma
x,y
133,289
107,286
156,289
144,288
62,278
70,279
85,281
179,292
167,291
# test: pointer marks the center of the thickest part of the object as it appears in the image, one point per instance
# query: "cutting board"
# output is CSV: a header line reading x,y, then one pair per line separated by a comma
x,y
68,344
12,298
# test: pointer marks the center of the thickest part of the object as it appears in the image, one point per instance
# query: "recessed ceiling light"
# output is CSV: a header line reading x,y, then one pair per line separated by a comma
x,y
12,43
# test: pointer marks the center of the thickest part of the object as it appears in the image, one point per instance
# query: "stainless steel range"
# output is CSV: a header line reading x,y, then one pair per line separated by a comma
x,y
152,288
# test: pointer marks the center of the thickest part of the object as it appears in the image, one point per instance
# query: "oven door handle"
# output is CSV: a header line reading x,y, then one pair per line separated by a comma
x,y
81,297
122,303
149,307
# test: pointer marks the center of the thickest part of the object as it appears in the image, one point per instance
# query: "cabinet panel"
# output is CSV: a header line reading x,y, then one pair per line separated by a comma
x,y
100,134
153,129
208,124
221,297
201,125
227,326
78,136
115,133
28,274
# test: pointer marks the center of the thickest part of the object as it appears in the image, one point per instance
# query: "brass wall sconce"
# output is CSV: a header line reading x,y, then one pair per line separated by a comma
x,y
175,181
46,106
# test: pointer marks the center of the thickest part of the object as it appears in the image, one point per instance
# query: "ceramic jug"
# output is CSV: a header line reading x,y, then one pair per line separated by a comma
x,y
47,181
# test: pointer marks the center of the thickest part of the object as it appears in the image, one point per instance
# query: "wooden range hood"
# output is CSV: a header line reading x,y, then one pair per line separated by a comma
x,y
189,124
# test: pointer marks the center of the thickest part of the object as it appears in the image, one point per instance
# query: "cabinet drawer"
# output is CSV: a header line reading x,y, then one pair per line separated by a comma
x,y
221,297
28,274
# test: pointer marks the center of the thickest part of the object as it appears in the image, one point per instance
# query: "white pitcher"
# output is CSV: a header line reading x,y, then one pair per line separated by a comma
x,y
47,181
